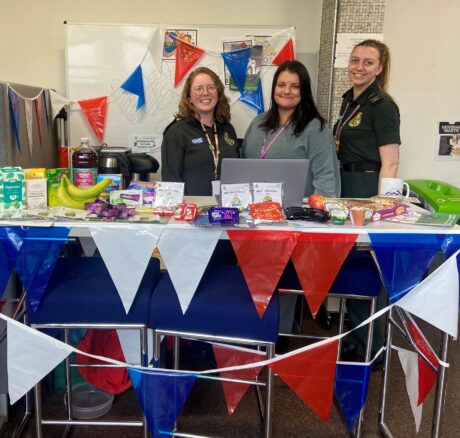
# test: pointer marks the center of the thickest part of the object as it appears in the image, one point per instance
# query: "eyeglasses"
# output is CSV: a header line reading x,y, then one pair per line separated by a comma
x,y
199,89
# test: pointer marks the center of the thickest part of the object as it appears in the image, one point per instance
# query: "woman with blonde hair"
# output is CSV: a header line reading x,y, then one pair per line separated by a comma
x,y
200,136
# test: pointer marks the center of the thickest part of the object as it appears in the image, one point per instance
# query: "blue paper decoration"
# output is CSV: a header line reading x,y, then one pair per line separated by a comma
x,y
10,244
254,99
162,396
37,258
237,63
350,388
404,259
135,85
14,111
451,244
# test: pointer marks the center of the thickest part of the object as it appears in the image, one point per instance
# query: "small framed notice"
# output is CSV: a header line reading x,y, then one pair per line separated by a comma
x,y
447,145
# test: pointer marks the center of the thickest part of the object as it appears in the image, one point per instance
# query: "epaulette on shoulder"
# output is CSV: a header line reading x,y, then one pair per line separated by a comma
x,y
375,98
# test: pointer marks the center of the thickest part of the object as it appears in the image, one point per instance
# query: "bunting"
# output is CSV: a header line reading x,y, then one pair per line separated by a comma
x,y
57,103
254,99
187,55
237,63
10,245
175,246
350,388
156,44
315,267
38,114
404,259
135,85
228,356
285,54
28,106
161,396
262,255
14,112
310,375
435,299
274,44
37,258
127,265
95,112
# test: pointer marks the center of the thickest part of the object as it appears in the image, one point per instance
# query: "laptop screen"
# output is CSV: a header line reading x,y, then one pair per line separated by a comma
x,y
291,172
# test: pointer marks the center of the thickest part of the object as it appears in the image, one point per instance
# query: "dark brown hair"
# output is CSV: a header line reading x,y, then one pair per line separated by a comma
x,y
222,109
305,112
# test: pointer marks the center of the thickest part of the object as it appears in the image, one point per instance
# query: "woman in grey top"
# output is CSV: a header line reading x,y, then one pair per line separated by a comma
x,y
293,128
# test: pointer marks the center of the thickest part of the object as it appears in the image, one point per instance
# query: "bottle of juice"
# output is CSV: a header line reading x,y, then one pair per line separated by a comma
x,y
84,165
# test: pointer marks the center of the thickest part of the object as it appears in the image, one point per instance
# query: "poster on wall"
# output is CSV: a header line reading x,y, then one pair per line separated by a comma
x,y
187,35
448,141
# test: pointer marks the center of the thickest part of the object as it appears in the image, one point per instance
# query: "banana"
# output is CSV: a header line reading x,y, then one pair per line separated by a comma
x,y
84,194
67,201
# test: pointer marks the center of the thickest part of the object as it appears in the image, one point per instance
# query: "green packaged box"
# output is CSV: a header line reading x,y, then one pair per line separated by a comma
x,y
12,188
54,180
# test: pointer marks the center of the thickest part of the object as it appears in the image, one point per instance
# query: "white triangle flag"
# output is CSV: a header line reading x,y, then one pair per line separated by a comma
x,y
435,299
156,45
28,106
186,253
31,355
88,245
130,344
126,252
409,362
57,103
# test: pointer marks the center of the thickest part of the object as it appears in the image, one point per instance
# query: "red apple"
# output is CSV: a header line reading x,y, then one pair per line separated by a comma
x,y
316,201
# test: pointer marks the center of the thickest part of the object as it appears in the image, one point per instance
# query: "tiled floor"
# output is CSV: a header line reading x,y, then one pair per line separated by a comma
x,y
205,410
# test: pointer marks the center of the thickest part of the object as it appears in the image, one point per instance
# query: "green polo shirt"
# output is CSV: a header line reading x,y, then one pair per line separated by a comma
x,y
370,121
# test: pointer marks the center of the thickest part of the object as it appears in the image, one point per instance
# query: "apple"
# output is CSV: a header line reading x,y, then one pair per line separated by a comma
x,y
316,201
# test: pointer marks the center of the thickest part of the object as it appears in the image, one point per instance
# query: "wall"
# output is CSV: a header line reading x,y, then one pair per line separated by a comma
x,y
32,31
425,47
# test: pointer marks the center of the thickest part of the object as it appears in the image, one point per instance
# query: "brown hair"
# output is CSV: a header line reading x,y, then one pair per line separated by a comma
x,y
222,109
384,57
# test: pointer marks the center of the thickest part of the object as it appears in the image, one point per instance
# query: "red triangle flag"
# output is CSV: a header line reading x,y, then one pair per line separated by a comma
x,y
426,379
230,356
95,111
187,56
310,375
262,255
317,259
285,54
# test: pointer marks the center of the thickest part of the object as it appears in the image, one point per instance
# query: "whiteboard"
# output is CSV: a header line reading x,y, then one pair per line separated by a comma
x,y
100,57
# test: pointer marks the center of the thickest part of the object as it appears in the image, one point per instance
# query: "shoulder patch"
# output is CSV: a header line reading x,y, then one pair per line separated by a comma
x,y
374,98
229,140
198,140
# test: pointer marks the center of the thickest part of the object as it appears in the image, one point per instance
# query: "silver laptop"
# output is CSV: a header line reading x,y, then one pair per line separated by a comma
x,y
292,173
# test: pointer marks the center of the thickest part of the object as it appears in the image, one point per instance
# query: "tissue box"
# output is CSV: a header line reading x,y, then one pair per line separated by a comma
x,y
12,188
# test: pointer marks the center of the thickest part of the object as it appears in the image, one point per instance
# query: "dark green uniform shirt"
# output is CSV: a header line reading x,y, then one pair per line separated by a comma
x,y
373,124
364,125
186,155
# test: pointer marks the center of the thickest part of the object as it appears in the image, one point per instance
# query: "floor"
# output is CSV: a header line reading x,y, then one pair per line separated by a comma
x,y
205,411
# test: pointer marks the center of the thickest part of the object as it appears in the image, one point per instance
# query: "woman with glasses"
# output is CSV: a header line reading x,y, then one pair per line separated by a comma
x,y
201,135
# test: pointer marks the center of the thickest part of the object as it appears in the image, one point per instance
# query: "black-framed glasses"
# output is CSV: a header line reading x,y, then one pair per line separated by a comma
x,y
306,214
199,89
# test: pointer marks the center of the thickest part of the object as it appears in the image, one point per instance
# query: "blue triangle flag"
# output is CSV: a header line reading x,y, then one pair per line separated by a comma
x,y
254,99
10,244
162,396
404,259
37,258
451,244
237,63
350,388
135,85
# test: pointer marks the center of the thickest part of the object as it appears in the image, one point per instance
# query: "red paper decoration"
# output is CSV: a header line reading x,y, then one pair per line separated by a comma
x,y
187,56
95,111
285,54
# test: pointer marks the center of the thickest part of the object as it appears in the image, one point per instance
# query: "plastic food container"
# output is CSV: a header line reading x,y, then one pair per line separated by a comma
x,y
89,402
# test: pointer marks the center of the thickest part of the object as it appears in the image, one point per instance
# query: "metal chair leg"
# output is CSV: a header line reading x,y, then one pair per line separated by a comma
x,y
385,431
269,394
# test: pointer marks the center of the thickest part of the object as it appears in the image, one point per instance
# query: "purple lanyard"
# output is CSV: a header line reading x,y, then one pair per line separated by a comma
x,y
266,147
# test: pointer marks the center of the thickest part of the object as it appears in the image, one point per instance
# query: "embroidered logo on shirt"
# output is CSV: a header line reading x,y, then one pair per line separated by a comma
x,y
228,139
355,121
198,140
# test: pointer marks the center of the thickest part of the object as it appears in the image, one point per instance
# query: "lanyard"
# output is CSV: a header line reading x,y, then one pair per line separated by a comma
x,y
266,147
214,148
342,122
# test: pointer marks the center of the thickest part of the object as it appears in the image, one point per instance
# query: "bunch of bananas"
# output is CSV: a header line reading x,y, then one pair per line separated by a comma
x,y
74,197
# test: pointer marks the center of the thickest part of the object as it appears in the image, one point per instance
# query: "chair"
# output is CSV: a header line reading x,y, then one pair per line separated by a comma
x,y
359,279
81,294
222,310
